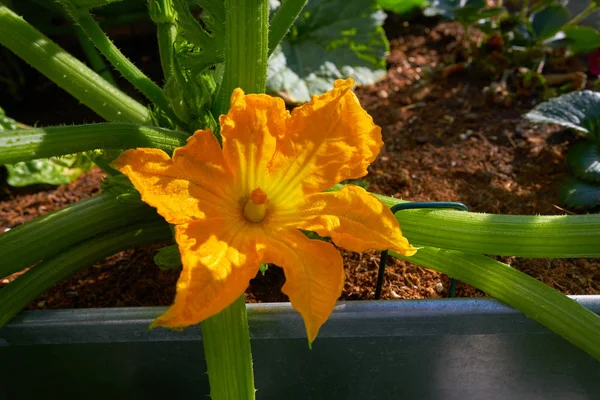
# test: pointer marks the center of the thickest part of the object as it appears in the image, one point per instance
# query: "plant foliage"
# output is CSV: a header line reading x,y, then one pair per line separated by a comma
x,y
579,111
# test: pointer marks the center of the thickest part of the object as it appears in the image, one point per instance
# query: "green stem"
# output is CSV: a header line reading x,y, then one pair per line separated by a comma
x,y
23,290
282,21
227,351
593,6
95,59
535,299
504,235
55,232
246,49
225,335
124,66
29,144
164,16
68,72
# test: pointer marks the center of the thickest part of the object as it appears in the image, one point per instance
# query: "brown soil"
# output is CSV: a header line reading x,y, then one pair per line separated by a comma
x,y
444,141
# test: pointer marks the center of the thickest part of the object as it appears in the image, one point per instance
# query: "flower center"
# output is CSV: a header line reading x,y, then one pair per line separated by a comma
x,y
256,206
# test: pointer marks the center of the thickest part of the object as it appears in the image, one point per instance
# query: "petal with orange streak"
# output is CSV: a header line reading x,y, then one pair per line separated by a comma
x,y
314,274
192,185
328,140
354,219
219,258
250,130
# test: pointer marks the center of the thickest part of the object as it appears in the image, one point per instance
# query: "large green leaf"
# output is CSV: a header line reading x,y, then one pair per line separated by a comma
x,y
577,110
331,39
584,160
53,171
579,194
548,21
582,39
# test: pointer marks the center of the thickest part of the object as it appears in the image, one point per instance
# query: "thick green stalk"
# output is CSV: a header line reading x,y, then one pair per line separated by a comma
x,y
505,235
282,21
29,144
68,72
246,50
225,335
23,290
55,232
132,73
226,342
538,301
95,59
164,16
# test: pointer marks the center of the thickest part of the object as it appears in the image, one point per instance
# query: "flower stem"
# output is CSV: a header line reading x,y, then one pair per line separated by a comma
x,y
226,336
68,72
246,49
226,339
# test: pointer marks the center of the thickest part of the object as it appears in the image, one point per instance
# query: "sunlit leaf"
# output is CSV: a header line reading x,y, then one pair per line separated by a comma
x,y
331,39
577,110
52,171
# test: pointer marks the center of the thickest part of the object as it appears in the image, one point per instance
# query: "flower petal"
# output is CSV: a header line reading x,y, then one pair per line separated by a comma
x,y
195,182
219,258
249,132
328,140
314,274
354,219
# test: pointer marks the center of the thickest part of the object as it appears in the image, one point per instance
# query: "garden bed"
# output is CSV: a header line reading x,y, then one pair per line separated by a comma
x,y
444,141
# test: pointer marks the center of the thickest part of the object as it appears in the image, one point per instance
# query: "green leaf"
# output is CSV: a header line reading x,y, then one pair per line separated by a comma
x,y
584,160
168,257
53,171
578,194
548,21
577,110
582,39
402,6
207,38
331,39
263,268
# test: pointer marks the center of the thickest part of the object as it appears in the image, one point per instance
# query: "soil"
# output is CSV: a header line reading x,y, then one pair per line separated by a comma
x,y
444,141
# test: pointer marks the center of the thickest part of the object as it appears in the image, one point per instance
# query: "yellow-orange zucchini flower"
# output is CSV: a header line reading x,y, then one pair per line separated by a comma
x,y
245,203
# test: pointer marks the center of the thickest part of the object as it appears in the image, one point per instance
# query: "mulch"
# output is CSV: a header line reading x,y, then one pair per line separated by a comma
x,y
444,141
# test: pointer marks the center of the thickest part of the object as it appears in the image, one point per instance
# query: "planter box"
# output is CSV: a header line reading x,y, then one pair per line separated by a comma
x,y
413,349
